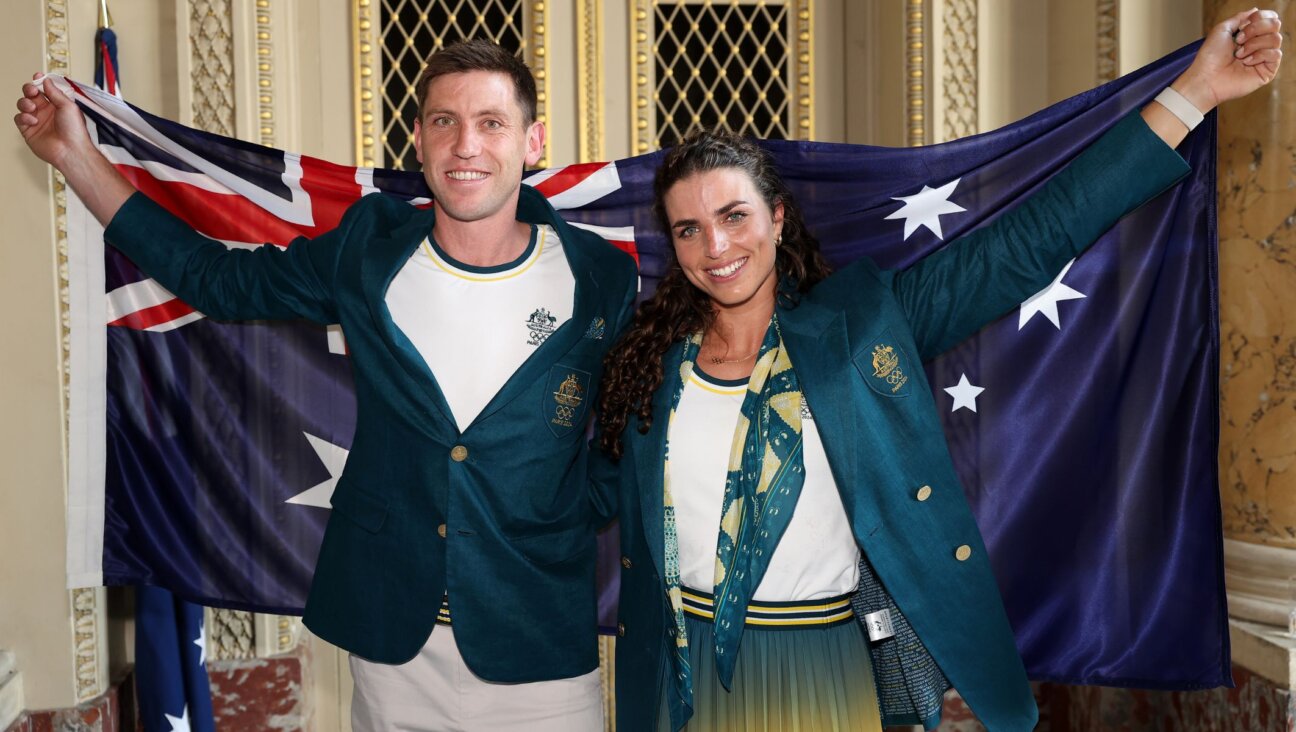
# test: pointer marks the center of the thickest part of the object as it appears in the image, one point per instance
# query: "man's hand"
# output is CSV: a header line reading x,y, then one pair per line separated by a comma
x,y
50,123
1237,57
55,130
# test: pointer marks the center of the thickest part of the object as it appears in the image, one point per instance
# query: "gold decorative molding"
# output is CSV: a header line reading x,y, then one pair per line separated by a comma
x,y
959,73
642,76
364,37
803,90
88,667
265,74
607,675
916,70
230,634
589,80
88,642
537,47
1108,41
790,102
211,36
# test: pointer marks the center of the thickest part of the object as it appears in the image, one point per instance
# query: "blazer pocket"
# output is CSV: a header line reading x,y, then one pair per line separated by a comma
x,y
885,366
565,399
555,546
366,510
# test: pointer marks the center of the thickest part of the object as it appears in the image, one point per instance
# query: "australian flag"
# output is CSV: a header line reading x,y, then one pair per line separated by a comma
x,y
1083,424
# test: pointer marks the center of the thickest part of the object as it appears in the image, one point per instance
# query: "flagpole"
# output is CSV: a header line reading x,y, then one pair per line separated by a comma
x,y
105,18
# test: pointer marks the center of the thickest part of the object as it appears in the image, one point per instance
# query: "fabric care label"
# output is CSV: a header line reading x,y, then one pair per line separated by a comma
x,y
879,625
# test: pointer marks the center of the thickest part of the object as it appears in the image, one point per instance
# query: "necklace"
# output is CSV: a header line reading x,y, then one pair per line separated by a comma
x,y
717,360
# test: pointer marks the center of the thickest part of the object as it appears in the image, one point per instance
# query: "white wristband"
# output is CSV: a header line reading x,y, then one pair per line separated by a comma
x,y
1180,107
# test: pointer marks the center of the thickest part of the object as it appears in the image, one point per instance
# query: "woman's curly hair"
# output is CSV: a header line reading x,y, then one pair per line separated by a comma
x,y
633,368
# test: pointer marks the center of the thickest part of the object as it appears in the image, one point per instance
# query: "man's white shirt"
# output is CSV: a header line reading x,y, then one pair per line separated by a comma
x,y
474,326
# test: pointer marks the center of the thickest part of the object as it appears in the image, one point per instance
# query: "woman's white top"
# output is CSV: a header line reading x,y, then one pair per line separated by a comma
x,y
817,557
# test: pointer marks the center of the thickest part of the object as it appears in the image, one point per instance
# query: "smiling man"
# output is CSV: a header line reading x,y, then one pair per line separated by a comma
x,y
458,562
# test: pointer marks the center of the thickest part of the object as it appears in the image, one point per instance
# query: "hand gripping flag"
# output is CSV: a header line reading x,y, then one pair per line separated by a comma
x,y
1083,424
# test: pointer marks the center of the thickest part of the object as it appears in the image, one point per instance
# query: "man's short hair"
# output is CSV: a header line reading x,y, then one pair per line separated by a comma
x,y
479,54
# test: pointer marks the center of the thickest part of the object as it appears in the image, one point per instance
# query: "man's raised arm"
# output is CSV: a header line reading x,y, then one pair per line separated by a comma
x,y
55,130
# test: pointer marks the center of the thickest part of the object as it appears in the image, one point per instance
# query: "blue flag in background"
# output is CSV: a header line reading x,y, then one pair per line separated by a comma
x,y
1083,424
171,682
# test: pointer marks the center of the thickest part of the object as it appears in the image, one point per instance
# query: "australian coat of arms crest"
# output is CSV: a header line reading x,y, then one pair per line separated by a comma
x,y
542,325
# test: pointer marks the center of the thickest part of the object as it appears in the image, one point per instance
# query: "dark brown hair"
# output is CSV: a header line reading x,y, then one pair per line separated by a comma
x,y
480,54
634,366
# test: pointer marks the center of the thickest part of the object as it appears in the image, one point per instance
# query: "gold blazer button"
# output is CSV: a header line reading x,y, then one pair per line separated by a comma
x,y
625,562
962,553
441,530
621,629
459,453
924,493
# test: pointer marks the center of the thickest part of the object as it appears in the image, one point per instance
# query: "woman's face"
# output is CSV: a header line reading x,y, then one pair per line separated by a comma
x,y
723,233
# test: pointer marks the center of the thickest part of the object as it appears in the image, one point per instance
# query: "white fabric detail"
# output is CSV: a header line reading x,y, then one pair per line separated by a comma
x,y
473,328
87,397
817,557
437,691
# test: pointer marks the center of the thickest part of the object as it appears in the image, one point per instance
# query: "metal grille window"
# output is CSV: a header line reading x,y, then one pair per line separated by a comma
x,y
746,66
405,33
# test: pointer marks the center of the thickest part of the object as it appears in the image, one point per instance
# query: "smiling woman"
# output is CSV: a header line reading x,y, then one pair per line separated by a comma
x,y
788,491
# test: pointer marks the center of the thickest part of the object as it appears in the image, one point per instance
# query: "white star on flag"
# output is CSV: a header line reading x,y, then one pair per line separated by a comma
x,y
964,393
333,457
925,208
180,723
201,642
1046,300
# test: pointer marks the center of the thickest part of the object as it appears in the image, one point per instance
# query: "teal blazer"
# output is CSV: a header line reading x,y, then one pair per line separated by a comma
x,y
884,445
500,515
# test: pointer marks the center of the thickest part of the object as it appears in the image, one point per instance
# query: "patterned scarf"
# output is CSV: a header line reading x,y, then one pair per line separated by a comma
x,y
761,490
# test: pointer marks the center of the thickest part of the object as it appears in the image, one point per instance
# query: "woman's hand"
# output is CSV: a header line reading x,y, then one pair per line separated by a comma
x,y
1237,57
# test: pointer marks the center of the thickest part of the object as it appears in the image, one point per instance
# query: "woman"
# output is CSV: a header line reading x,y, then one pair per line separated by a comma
x,y
835,488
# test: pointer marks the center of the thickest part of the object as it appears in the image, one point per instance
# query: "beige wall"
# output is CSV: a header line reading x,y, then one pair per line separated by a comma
x,y
34,607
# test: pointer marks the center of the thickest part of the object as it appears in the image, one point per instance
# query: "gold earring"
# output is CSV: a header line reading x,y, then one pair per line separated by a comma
x,y
778,240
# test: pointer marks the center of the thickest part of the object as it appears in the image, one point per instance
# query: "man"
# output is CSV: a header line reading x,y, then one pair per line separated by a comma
x,y
477,329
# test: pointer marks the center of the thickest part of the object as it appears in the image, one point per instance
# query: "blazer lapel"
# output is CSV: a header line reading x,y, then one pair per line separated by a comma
x,y
586,298
383,258
820,352
650,458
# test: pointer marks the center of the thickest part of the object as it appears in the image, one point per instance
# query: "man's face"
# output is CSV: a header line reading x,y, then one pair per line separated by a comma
x,y
474,143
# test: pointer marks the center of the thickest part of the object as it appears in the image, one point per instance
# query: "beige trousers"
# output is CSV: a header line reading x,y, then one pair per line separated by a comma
x,y
435,691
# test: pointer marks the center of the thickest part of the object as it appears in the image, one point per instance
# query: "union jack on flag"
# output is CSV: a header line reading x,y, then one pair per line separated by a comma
x,y
1082,425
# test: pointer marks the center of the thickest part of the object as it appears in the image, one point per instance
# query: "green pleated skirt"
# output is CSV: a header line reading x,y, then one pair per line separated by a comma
x,y
802,680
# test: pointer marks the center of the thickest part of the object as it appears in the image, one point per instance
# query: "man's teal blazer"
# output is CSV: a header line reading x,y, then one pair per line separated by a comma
x,y
498,516
886,447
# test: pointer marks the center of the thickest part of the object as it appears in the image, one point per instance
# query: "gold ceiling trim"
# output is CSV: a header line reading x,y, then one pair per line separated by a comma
x,y
265,89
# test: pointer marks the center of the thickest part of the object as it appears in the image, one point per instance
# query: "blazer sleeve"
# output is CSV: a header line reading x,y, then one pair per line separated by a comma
x,y
268,282
953,292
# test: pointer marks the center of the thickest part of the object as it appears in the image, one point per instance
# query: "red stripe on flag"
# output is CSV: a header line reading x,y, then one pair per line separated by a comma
x,y
156,315
628,247
331,189
567,178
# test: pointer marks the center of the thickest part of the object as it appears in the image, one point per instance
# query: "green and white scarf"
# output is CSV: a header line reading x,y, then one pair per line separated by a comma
x,y
765,476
